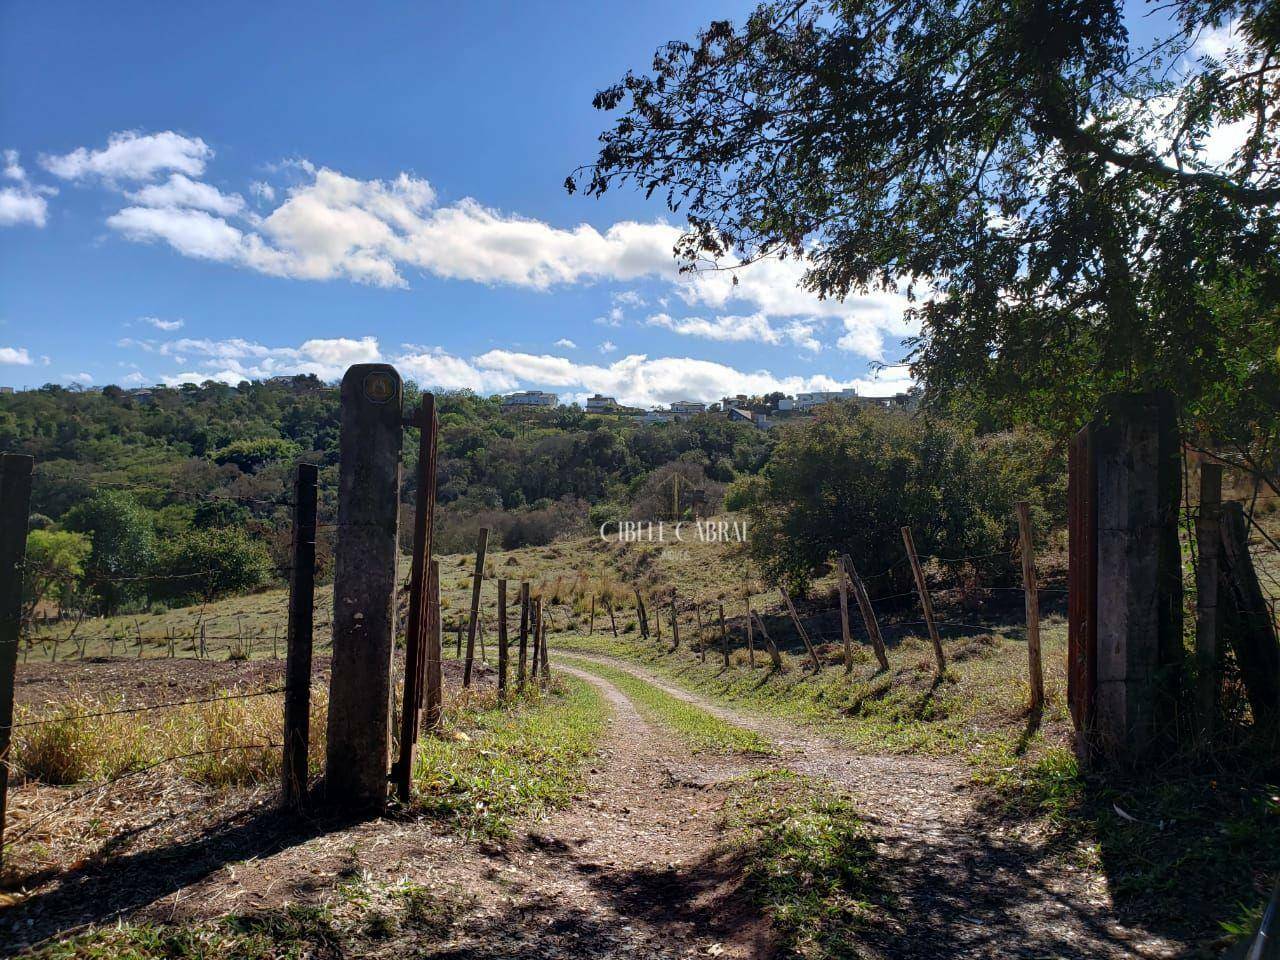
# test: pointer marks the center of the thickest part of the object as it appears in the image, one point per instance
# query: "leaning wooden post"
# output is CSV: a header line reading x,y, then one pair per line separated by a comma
x,y
415,631
15,508
926,603
868,611
364,612
1032,604
297,666
751,640
524,632
1208,571
591,626
642,618
845,635
804,634
477,579
1249,623
774,654
433,700
502,635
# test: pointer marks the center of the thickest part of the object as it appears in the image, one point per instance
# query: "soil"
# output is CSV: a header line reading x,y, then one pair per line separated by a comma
x,y
636,867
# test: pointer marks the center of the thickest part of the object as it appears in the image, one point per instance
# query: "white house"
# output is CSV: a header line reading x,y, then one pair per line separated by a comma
x,y
687,408
529,398
601,404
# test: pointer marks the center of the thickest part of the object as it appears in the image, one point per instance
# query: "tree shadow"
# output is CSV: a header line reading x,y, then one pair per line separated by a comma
x,y
110,885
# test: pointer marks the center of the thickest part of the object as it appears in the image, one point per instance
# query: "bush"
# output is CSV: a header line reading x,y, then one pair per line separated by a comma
x,y
848,480
251,455
207,564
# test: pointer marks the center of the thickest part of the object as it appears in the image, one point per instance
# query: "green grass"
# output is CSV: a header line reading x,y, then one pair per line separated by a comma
x,y
495,763
361,920
700,729
810,862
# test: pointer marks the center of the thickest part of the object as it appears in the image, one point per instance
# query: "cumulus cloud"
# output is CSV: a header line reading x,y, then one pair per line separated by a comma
x,y
641,381
608,347
25,202
17,356
168,326
566,343
132,156
263,191
83,378
180,191
235,359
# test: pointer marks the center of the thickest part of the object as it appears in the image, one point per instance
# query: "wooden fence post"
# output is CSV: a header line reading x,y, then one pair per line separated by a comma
x,y
926,602
751,641
702,632
642,617
15,508
1032,605
542,646
536,630
868,612
591,626
477,579
433,701
804,634
524,631
415,631
845,635
297,666
675,624
1247,621
724,637
613,622
502,635
358,752
1208,570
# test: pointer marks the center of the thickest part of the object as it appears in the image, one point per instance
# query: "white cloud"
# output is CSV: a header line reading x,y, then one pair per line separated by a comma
x,y
608,346
192,233
12,168
236,359
435,368
85,378
566,343
641,381
20,205
180,191
755,328
17,356
168,326
133,379
132,156
263,191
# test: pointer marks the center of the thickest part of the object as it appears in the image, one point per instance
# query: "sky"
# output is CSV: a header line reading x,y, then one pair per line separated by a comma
x,y
241,190
230,191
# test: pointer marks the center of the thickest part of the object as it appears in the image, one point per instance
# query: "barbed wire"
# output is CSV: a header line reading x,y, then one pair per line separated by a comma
x,y
67,718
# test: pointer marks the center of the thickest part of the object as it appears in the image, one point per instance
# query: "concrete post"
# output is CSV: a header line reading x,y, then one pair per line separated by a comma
x,y
1139,573
359,742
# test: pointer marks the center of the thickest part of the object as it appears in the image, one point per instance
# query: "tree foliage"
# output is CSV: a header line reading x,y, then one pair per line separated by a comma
x,y
849,480
55,563
1039,183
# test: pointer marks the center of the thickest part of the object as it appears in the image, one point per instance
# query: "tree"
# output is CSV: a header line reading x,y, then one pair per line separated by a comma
x,y
849,479
1039,184
124,545
55,563
251,455
203,565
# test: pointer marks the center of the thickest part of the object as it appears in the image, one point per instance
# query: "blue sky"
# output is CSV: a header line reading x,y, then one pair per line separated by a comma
x,y
243,189
230,190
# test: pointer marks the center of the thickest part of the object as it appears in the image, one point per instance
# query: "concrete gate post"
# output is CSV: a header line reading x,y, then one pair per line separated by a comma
x,y
364,620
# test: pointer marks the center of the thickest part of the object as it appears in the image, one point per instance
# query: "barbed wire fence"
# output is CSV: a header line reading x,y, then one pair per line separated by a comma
x,y
299,627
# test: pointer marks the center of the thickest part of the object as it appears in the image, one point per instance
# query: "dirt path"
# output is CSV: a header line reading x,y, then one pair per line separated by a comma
x,y
964,887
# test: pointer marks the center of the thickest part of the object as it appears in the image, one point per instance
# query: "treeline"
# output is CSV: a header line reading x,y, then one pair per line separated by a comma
x,y
181,494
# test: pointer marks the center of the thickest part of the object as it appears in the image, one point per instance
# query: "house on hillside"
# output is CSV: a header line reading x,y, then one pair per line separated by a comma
x,y
527,399
601,404
687,408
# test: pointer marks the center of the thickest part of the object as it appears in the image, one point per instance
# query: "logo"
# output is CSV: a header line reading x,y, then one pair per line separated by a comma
x,y
681,531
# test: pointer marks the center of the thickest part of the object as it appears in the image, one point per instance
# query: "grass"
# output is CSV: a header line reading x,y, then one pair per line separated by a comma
x,y
360,920
74,742
700,729
494,763
810,862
